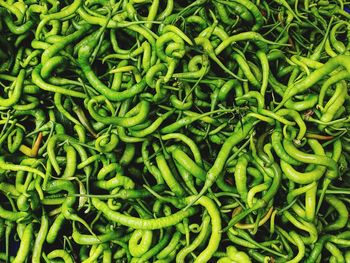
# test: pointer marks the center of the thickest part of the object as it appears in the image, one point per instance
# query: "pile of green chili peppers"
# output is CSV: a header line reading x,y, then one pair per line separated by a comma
x,y
174,131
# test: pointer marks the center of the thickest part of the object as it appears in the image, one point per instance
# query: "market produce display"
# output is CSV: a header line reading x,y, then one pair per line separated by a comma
x,y
174,131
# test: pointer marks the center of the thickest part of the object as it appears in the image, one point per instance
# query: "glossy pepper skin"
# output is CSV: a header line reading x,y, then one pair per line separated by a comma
x,y
174,131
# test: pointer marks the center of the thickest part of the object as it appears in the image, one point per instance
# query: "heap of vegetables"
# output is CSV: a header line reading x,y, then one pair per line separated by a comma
x,y
174,131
